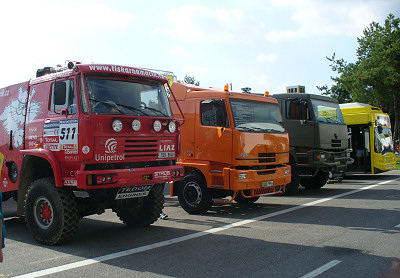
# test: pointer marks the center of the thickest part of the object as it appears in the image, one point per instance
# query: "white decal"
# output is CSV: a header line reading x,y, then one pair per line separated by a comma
x,y
14,115
108,158
64,133
111,145
162,174
85,149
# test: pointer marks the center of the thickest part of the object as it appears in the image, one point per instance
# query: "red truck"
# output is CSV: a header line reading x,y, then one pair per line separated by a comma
x,y
79,139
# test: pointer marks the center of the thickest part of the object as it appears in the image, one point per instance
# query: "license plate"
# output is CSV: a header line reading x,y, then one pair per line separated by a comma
x,y
166,154
133,192
267,184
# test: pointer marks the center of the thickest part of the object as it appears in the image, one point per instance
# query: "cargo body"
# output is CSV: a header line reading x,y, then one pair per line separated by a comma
x,y
85,138
232,146
370,138
317,136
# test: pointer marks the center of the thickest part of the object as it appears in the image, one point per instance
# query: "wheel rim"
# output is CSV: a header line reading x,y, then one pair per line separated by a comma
x,y
192,194
43,212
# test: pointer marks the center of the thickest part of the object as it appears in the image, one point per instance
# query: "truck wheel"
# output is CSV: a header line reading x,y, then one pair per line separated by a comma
x,y
193,194
51,214
141,212
315,182
292,187
242,200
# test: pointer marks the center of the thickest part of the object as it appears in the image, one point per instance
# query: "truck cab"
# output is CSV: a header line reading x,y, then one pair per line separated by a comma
x,y
317,136
233,145
80,139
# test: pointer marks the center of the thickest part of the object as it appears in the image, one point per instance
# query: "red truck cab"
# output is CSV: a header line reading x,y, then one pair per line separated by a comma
x,y
84,138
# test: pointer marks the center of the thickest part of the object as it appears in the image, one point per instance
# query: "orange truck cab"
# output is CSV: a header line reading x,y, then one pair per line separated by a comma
x,y
233,144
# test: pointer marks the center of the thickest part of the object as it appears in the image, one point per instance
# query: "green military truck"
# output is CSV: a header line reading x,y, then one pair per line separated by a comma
x,y
317,136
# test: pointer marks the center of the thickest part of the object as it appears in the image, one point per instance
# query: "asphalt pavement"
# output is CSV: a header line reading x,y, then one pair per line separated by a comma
x,y
346,229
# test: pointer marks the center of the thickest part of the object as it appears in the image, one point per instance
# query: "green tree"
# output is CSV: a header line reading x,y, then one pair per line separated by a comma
x,y
191,80
375,77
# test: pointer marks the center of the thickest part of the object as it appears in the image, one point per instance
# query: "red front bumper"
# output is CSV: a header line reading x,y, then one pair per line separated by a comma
x,y
130,177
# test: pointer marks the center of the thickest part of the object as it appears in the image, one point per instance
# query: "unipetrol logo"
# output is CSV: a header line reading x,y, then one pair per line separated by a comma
x,y
111,145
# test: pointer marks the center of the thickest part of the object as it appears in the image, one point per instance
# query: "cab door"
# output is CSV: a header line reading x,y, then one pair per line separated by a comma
x,y
61,131
298,122
213,133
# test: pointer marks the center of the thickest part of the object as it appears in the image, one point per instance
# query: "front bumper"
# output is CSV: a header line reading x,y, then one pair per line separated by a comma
x,y
327,161
130,177
259,181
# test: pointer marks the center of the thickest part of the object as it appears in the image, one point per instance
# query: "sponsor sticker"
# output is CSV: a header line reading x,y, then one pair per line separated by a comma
x,y
162,174
133,192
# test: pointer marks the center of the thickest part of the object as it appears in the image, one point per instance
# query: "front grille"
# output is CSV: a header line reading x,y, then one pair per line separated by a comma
x,y
270,172
140,148
266,157
336,143
263,190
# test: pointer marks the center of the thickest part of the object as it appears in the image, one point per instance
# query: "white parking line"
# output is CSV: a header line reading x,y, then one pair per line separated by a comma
x,y
321,269
191,236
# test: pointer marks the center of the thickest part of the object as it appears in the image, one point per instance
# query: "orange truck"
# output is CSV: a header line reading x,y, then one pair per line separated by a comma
x,y
233,145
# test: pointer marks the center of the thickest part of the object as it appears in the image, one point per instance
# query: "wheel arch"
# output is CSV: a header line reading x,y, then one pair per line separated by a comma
x,y
34,167
188,170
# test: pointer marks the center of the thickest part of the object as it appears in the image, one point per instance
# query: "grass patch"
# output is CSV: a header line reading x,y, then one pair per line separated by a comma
x,y
397,162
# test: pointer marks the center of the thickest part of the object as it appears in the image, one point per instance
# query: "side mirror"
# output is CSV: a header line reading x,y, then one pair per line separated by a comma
x,y
60,93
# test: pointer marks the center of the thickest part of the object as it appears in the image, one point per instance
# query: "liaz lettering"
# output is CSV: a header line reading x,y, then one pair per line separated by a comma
x,y
166,150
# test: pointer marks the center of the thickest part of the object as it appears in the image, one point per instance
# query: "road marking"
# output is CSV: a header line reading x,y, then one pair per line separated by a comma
x,y
191,236
322,269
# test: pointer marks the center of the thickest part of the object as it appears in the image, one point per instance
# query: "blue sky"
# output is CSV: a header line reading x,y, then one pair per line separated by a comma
x,y
262,44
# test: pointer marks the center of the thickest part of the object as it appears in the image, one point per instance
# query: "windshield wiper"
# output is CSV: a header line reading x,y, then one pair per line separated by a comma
x,y
108,103
133,109
155,110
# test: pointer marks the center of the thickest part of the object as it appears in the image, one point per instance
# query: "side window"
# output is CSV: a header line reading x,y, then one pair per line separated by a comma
x,y
213,113
297,109
63,96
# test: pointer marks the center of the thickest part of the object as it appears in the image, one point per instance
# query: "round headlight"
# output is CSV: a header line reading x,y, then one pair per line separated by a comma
x,y
117,125
157,125
136,125
171,127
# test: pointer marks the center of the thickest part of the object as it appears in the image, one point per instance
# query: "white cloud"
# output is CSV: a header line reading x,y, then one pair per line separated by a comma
x,y
193,70
53,17
314,17
179,51
261,79
205,24
267,58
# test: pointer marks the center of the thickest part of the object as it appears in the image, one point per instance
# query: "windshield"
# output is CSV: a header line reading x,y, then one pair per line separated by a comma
x,y
327,112
111,96
253,116
383,140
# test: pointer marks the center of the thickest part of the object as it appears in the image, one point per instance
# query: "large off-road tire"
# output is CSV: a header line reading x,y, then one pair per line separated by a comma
x,y
141,212
315,182
51,214
242,200
193,194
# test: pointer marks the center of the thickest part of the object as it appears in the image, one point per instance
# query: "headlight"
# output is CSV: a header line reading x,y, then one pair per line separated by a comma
x,y
287,171
171,127
117,125
136,125
157,125
321,156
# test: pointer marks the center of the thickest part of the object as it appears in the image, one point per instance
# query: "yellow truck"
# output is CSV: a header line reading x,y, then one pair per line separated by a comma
x,y
370,137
